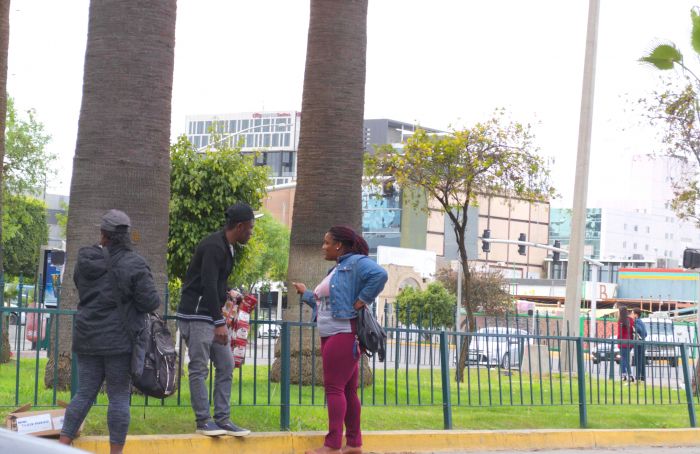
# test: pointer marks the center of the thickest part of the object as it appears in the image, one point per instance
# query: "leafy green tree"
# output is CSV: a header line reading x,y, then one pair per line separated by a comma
x,y
202,186
435,305
27,164
494,157
674,111
489,289
271,245
25,231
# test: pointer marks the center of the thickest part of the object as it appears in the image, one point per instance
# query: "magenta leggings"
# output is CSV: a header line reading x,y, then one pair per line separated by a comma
x,y
340,374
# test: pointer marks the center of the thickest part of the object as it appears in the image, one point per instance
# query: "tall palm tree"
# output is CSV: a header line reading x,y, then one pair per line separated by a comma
x,y
4,45
329,171
122,154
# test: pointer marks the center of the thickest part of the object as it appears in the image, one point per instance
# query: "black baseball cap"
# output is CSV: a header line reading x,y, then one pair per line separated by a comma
x,y
115,220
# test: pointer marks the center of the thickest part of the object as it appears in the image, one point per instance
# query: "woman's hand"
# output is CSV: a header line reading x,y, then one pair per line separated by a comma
x,y
301,288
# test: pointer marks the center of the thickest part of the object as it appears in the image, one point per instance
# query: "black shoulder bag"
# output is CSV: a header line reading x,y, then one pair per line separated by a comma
x,y
153,356
370,334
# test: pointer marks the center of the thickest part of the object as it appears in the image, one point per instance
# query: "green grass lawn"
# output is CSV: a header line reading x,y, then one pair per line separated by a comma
x,y
487,399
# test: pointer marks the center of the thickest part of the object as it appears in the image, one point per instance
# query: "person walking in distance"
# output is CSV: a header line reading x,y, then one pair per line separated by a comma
x,y
640,333
353,282
202,325
100,338
625,330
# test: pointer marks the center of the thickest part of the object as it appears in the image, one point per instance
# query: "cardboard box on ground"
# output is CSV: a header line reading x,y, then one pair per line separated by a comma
x,y
41,423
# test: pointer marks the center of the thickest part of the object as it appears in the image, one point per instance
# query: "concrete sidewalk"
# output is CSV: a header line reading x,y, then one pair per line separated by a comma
x,y
424,441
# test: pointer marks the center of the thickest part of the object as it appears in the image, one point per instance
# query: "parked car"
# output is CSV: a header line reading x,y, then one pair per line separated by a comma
x,y
268,330
663,330
605,351
495,347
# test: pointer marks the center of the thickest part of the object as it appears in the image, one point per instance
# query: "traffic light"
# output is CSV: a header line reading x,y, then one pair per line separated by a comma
x,y
485,245
521,247
555,254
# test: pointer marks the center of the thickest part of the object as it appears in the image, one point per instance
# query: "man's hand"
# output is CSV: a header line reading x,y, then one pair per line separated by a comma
x,y
301,288
358,305
221,335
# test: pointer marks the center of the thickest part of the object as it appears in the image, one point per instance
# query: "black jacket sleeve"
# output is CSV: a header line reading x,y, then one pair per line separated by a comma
x,y
145,295
212,260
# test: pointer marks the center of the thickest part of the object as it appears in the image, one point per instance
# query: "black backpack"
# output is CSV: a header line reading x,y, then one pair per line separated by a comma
x,y
153,356
370,334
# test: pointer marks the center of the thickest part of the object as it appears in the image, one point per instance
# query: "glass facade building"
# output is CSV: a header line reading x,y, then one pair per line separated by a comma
x,y
381,216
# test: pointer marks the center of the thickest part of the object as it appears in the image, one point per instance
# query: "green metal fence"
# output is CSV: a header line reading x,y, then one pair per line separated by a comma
x,y
509,362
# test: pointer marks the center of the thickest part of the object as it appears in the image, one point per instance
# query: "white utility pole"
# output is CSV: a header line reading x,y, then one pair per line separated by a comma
x,y
572,305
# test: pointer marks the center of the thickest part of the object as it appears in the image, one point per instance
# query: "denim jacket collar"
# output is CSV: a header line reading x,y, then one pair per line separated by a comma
x,y
345,256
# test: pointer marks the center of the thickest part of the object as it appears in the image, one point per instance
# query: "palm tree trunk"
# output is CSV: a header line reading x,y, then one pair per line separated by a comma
x,y
329,171
4,45
122,154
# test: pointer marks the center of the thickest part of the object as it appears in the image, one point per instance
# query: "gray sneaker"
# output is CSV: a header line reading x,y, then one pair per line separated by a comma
x,y
232,429
210,428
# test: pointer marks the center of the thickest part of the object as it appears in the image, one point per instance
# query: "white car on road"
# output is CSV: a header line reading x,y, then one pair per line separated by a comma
x,y
497,346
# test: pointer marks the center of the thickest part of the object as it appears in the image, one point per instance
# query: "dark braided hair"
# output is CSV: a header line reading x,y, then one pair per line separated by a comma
x,y
347,236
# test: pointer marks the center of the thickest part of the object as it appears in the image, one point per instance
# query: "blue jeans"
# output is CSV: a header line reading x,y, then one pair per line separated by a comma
x,y
625,368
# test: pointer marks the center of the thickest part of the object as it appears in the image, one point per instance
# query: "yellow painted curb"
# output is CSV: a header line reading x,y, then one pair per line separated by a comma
x,y
400,441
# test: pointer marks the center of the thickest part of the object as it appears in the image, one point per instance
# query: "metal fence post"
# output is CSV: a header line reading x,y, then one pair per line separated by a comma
x,y
285,354
74,375
445,372
582,410
688,391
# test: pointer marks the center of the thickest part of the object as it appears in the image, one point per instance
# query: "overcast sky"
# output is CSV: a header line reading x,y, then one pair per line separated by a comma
x,y
440,63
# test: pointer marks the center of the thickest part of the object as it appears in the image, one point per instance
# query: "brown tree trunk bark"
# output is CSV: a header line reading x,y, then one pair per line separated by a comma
x,y
122,157
4,45
470,325
329,171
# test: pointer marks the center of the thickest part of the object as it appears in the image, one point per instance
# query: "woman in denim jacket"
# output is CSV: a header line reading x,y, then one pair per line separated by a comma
x,y
356,280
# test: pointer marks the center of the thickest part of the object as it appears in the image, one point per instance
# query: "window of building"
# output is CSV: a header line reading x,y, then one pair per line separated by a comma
x,y
670,236
266,139
207,127
624,227
634,246
624,244
275,140
287,139
200,127
646,247
648,229
635,228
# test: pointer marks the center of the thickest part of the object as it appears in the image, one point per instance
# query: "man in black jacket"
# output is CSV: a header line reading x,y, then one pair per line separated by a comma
x,y
202,325
100,337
